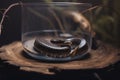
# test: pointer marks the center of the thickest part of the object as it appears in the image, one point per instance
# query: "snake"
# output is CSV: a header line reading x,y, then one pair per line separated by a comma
x,y
60,47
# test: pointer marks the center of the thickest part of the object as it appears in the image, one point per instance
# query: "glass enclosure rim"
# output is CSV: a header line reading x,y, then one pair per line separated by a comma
x,y
57,3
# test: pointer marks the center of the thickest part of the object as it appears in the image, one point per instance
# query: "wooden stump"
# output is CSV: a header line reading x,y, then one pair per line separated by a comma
x,y
104,56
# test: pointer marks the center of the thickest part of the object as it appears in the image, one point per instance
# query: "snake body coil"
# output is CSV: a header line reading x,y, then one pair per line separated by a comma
x,y
59,47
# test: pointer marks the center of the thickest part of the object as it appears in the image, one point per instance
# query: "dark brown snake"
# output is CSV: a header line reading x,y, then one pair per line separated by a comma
x,y
60,48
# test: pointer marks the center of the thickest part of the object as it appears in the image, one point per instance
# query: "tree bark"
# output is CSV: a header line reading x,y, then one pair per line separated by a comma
x,y
102,57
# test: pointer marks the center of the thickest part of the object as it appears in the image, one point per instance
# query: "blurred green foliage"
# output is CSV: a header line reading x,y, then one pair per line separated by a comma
x,y
106,21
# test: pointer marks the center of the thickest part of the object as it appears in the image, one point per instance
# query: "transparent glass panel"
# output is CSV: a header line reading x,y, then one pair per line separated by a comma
x,y
57,31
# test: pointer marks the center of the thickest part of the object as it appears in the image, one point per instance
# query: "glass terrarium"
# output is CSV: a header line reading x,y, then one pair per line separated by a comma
x,y
56,31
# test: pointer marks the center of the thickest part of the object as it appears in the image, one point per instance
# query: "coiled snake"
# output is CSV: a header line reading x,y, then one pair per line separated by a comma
x,y
59,47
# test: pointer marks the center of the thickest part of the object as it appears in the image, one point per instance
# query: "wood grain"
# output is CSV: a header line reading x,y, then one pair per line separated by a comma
x,y
104,56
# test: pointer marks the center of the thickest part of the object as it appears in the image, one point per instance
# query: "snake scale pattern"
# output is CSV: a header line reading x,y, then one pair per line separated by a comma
x,y
60,47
